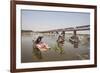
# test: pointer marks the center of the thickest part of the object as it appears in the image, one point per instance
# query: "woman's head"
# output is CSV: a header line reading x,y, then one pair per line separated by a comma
x,y
38,39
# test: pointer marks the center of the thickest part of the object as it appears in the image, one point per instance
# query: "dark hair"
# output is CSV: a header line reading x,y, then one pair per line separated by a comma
x,y
38,40
63,32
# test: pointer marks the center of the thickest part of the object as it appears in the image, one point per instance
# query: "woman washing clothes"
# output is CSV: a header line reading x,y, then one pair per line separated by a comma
x,y
41,45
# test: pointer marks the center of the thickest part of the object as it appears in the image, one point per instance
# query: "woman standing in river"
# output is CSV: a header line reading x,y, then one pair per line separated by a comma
x,y
60,42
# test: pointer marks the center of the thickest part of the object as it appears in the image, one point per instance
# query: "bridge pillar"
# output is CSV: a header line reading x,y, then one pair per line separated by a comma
x,y
75,39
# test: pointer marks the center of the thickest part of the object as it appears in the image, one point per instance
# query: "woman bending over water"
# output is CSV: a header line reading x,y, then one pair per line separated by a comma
x,y
41,45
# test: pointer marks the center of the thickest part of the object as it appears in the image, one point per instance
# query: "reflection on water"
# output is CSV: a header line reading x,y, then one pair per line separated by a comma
x,y
29,53
37,53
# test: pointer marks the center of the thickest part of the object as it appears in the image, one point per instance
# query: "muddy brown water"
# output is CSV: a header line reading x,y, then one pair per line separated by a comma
x,y
28,54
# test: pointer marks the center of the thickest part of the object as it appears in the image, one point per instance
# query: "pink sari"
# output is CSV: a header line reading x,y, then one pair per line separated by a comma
x,y
42,46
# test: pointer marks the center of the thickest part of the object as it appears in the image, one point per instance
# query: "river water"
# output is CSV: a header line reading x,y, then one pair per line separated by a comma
x,y
28,54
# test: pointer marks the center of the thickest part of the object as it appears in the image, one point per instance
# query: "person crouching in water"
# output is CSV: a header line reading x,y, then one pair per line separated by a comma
x,y
41,45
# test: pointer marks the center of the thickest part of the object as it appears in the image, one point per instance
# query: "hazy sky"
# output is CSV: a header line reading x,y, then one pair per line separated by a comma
x,y
45,20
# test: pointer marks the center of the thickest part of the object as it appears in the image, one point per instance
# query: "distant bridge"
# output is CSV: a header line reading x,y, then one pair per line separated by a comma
x,y
77,28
